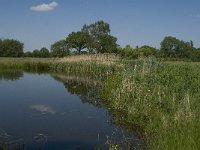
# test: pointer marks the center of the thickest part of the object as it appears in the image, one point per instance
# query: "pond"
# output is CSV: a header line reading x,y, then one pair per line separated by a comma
x,y
52,112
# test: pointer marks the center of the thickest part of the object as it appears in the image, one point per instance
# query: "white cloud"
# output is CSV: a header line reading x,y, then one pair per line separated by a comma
x,y
45,7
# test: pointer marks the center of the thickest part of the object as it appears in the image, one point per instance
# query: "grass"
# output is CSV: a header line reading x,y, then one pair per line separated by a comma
x,y
162,99
159,101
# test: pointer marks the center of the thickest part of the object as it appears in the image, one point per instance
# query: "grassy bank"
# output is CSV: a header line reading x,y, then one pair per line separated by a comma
x,y
159,100
163,100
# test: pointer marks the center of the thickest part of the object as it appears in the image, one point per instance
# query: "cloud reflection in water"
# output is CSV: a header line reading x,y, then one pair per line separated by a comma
x,y
44,109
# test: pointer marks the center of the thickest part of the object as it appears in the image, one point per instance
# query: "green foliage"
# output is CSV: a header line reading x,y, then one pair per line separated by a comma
x,y
77,40
173,47
11,48
28,54
59,49
195,55
36,53
44,52
128,52
100,39
134,53
163,99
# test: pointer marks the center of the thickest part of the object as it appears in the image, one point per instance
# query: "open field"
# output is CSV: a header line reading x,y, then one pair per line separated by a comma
x,y
160,101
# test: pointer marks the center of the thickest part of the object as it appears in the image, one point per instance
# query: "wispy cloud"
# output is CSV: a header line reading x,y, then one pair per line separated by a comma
x,y
45,7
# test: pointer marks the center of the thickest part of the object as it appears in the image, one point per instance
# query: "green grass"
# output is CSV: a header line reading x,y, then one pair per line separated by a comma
x,y
158,101
162,99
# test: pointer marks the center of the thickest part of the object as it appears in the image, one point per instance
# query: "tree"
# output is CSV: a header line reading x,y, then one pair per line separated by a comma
x,y
145,51
100,39
44,52
36,53
77,40
173,47
195,54
59,49
107,44
128,52
28,54
11,48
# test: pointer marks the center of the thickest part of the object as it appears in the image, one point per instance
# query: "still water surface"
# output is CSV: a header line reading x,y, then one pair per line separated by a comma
x,y
45,113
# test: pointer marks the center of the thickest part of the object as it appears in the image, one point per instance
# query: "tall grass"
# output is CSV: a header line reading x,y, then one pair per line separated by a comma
x,y
163,99
94,66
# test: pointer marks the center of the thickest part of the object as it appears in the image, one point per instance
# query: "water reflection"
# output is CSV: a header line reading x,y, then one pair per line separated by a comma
x,y
86,89
44,109
68,124
11,74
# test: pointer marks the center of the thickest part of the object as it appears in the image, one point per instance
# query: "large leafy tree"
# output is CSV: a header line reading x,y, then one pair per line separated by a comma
x,y
173,47
36,53
77,40
100,39
59,49
28,54
145,51
11,48
44,52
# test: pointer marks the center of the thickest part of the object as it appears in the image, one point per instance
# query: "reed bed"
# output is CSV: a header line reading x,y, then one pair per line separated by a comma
x,y
105,59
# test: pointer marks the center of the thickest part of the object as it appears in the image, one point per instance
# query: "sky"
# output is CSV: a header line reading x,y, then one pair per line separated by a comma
x,y
39,23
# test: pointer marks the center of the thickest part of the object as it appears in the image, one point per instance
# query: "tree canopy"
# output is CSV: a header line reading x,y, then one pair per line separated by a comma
x,y
173,47
59,49
77,40
100,39
11,48
44,52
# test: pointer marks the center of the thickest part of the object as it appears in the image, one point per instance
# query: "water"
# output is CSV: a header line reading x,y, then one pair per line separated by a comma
x,y
44,111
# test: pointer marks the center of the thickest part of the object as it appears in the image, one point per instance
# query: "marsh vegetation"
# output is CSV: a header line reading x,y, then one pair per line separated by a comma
x,y
156,101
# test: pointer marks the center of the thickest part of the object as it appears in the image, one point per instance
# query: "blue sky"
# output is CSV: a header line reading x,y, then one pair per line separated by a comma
x,y
134,22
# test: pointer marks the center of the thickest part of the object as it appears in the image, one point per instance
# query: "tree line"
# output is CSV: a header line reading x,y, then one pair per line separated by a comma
x,y
97,38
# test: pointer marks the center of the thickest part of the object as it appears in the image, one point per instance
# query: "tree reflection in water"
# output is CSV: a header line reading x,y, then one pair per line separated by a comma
x,y
86,89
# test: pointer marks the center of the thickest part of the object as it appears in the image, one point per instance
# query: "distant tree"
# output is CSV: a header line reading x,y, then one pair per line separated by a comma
x,y
128,52
11,48
145,51
100,39
107,44
169,46
1,47
173,47
59,49
134,53
44,52
36,53
28,54
77,40
195,54
191,44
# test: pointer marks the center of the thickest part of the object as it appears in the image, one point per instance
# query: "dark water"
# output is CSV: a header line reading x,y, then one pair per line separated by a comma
x,y
45,112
